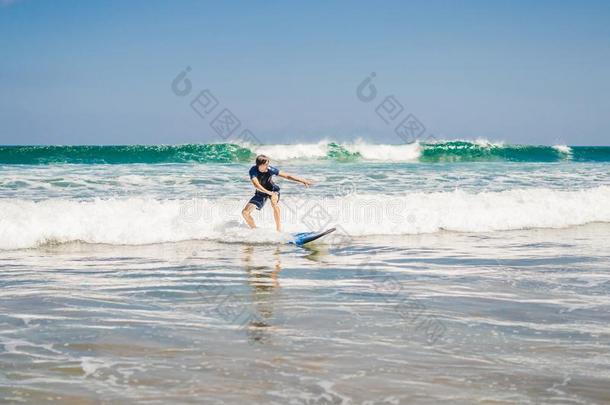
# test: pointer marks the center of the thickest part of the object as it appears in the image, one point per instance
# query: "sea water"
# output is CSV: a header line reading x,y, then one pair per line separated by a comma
x,y
461,272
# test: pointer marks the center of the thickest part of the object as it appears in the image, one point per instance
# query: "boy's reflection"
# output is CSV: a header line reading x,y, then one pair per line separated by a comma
x,y
265,287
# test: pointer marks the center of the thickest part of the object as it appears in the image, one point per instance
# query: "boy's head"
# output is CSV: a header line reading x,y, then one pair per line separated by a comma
x,y
262,162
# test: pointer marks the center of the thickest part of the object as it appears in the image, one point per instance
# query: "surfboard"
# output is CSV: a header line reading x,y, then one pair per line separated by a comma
x,y
305,237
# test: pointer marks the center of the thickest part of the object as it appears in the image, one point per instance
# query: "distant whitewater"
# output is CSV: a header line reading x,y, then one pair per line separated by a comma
x,y
442,151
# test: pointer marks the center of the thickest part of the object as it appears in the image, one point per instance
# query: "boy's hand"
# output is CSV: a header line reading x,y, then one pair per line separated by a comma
x,y
307,183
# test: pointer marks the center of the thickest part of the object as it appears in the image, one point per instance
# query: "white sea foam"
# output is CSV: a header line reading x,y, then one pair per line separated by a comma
x,y
388,153
296,151
487,143
563,149
368,151
27,224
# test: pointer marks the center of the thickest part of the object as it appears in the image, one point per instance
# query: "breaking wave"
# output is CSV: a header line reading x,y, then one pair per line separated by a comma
x,y
442,151
133,221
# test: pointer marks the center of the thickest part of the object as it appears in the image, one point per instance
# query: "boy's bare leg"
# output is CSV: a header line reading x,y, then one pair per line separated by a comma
x,y
246,214
276,212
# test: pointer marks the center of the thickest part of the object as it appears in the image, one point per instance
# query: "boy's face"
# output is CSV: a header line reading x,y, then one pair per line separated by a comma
x,y
264,167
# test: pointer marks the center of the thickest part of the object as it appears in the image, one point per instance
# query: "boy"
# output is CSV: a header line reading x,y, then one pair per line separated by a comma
x,y
260,175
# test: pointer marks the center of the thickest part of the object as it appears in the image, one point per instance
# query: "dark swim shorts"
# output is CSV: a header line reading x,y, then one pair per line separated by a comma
x,y
260,199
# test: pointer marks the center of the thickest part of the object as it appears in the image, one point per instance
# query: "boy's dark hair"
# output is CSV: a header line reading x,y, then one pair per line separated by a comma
x,y
261,159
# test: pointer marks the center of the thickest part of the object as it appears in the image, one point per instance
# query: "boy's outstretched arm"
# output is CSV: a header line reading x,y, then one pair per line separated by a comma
x,y
305,182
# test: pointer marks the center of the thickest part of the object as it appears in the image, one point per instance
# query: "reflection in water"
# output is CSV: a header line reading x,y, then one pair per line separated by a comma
x,y
315,252
264,287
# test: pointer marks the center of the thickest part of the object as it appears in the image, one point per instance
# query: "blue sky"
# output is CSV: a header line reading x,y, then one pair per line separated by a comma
x,y
100,72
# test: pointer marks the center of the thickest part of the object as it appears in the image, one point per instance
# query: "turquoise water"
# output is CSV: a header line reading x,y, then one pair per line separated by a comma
x,y
477,276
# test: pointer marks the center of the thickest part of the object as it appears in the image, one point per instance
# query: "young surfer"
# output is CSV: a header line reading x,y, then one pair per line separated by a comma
x,y
261,176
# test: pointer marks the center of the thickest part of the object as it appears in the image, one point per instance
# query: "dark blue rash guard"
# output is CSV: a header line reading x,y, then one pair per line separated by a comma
x,y
265,180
